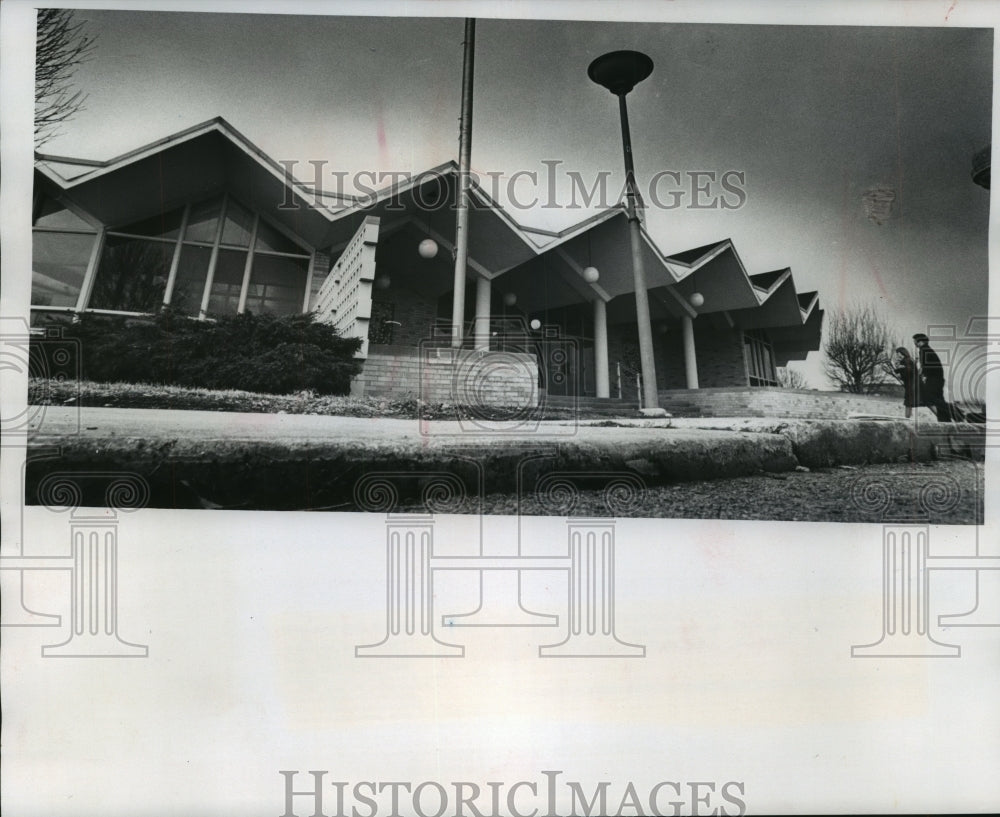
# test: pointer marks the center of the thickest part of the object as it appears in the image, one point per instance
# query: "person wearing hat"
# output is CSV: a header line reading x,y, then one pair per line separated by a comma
x,y
931,382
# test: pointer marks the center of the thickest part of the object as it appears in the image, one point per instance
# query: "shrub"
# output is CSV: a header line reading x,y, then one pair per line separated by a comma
x,y
262,353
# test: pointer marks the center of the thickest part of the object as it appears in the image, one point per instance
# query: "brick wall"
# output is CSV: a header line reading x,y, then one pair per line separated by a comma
x,y
719,355
720,358
414,310
445,375
775,402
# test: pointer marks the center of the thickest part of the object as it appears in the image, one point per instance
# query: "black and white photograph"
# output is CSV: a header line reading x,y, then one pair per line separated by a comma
x,y
374,354
692,260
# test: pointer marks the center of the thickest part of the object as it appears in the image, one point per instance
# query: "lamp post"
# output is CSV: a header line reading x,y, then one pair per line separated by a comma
x,y
462,195
620,72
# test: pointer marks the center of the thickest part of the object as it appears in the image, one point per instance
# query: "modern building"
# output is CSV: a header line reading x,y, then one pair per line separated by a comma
x,y
205,222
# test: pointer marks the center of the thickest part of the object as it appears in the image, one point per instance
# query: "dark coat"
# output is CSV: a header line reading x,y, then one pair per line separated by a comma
x,y
931,375
907,371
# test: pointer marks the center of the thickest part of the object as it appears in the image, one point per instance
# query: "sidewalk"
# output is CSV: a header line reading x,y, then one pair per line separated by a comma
x,y
281,460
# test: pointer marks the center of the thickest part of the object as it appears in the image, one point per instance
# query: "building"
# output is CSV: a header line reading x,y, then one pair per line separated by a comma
x,y
205,222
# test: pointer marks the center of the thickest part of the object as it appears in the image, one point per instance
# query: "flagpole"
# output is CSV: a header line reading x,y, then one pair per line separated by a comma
x,y
462,196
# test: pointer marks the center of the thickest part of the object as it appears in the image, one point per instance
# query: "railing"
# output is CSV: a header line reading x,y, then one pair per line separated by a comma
x,y
629,372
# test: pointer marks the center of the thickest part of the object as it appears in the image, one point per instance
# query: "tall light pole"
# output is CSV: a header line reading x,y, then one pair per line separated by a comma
x,y
462,194
620,72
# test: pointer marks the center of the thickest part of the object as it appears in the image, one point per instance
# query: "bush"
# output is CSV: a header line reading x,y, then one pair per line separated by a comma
x,y
261,353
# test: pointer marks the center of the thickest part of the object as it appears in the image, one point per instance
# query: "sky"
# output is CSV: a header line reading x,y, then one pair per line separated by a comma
x,y
813,117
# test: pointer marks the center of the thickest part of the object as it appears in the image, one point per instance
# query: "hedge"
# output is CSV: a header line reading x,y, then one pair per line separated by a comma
x,y
259,353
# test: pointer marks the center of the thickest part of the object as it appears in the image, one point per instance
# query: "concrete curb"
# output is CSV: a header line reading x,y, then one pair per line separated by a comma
x,y
213,460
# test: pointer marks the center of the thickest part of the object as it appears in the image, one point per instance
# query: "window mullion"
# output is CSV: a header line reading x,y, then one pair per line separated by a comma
x,y
168,292
245,287
89,275
203,311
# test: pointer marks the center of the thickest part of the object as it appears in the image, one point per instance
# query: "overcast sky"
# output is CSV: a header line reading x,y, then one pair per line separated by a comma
x,y
813,116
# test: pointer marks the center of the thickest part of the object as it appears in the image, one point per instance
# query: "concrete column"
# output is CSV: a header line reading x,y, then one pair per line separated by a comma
x,y
690,359
481,332
601,348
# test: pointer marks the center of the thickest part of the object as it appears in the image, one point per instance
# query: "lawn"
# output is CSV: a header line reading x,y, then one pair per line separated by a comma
x,y
50,392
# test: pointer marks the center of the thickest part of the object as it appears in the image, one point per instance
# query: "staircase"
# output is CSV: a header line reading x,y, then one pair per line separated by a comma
x,y
593,406
680,406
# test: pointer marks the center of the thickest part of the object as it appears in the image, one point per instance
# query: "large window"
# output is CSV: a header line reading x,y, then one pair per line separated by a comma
x,y
132,274
189,284
62,243
760,358
213,257
277,284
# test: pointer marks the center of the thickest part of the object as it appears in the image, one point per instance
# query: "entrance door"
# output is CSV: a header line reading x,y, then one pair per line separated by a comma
x,y
561,361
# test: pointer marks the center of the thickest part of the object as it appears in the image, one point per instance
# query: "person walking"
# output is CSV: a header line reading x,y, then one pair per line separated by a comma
x,y
931,379
906,371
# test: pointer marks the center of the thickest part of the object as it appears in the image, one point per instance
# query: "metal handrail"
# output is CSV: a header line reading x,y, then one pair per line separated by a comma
x,y
629,370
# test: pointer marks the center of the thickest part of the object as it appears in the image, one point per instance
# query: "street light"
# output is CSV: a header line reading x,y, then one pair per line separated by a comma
x,y
620,72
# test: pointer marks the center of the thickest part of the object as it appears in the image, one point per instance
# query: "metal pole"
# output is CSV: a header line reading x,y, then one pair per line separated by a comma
x,y
646,360
462,199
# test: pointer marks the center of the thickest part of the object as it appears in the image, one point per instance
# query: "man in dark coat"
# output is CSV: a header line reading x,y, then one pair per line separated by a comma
x,y
931,388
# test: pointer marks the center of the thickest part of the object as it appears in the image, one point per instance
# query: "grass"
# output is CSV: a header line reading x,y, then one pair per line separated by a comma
x,y
154,396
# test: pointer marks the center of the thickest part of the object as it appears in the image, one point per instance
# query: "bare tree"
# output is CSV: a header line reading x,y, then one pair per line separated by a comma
x,y
858,349
61,44
791,379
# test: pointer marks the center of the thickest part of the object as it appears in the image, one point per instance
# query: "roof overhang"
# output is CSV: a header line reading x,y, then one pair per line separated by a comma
x,y
196,163
544,268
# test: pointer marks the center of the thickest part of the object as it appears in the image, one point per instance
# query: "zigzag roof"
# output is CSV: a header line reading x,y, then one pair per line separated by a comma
x,y
327,220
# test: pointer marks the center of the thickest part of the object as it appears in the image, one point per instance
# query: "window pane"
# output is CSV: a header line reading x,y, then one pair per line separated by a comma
x,y
190,282
768,367
58,264
53,215
269,238
224,298
239,224
163,225
279,285
760,358
203,221
132,275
